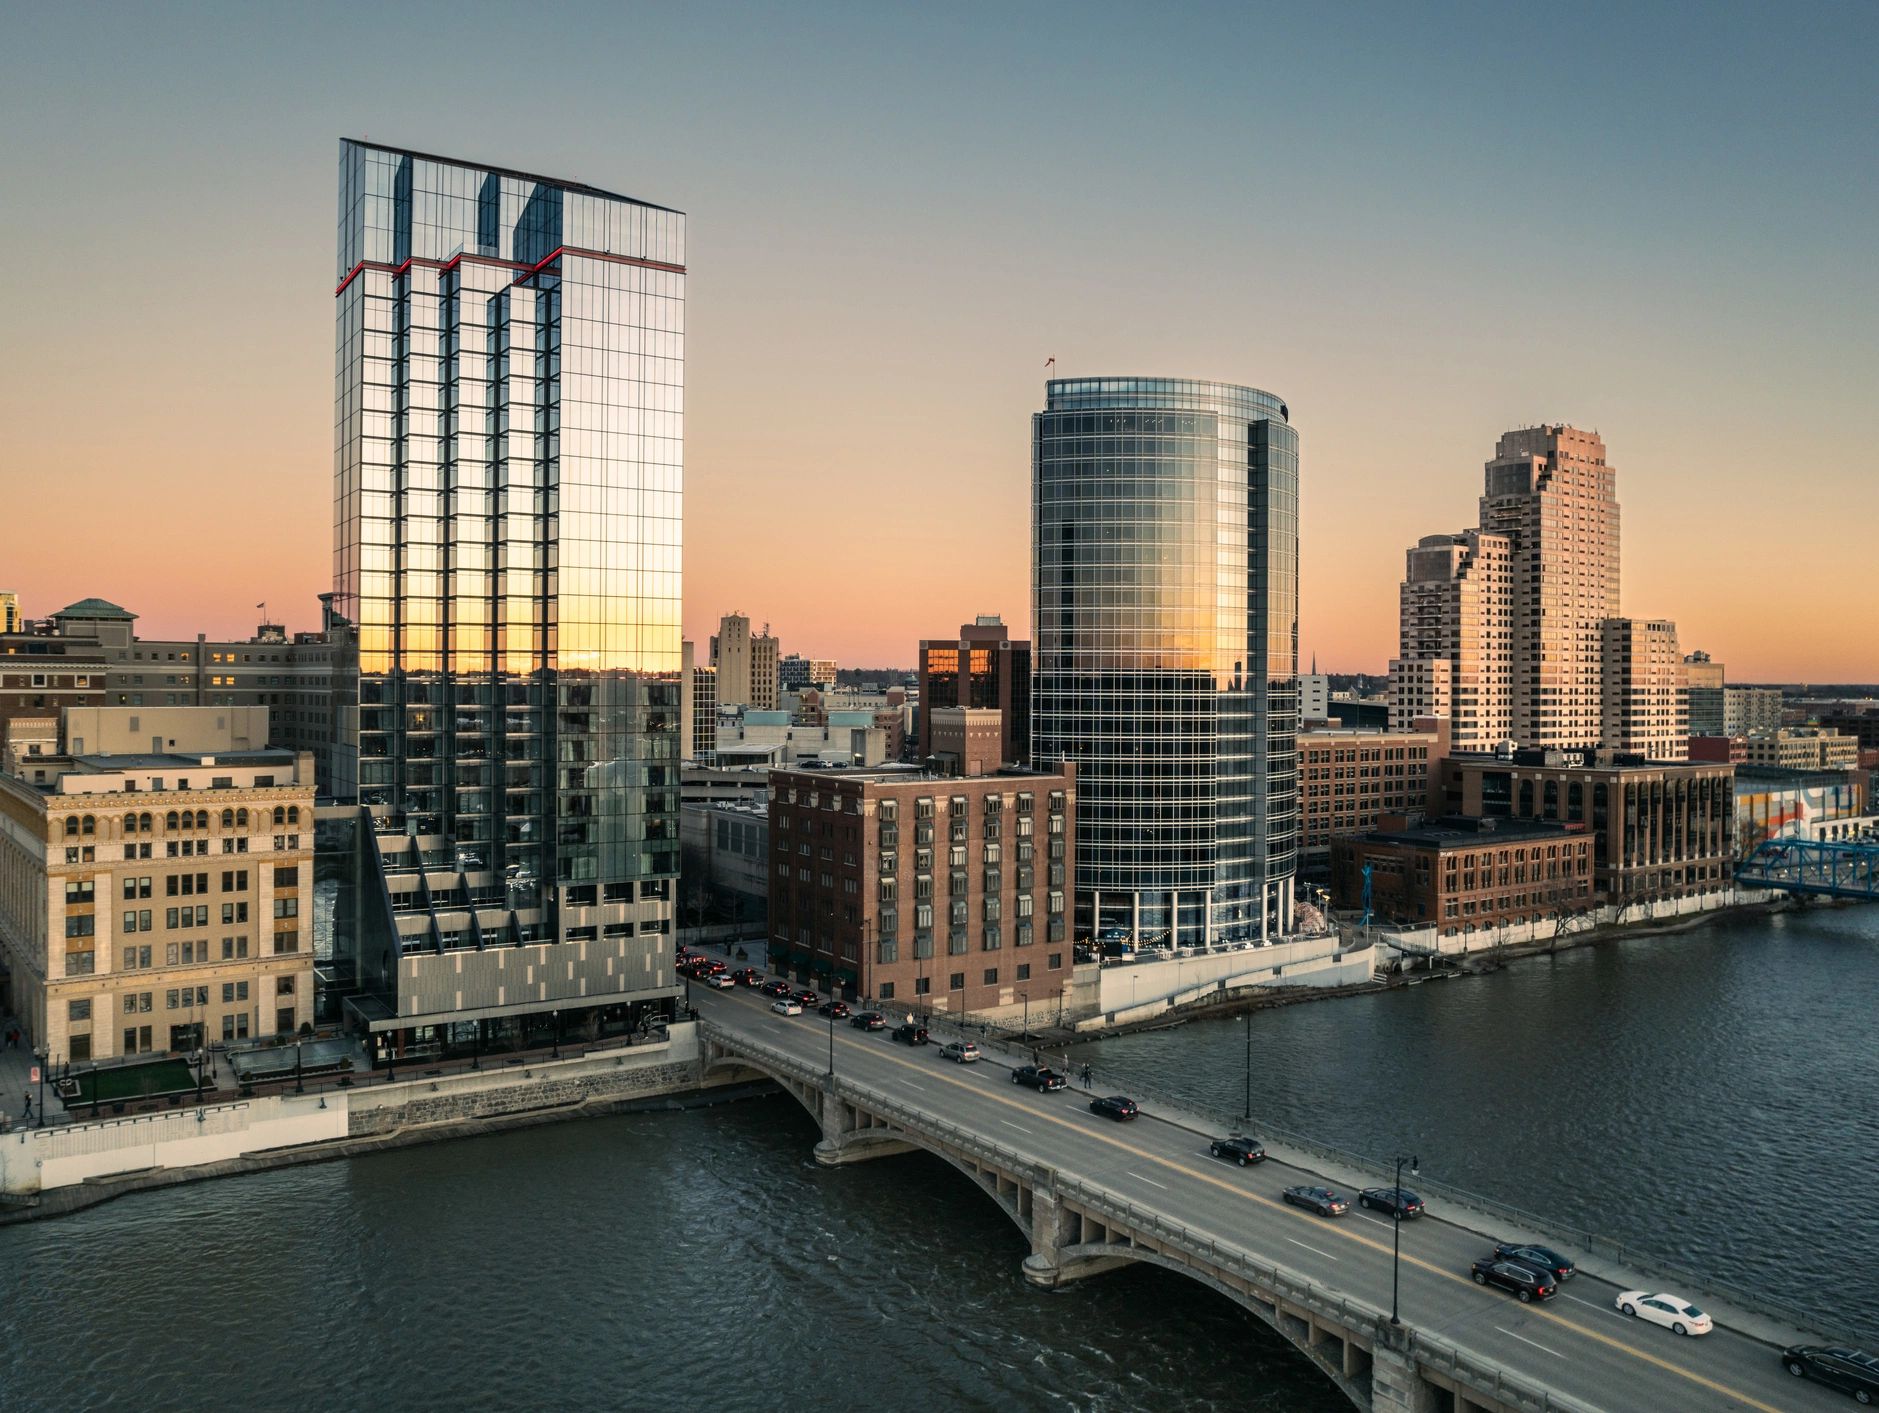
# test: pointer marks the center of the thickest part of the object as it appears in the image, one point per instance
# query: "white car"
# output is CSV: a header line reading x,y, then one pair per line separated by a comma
x,y
1661,1309
786,1007
721,980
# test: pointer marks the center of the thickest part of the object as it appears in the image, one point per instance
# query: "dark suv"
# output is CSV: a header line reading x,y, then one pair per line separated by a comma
x,y
1837,1367
1239,1150
910,1034
1528,1283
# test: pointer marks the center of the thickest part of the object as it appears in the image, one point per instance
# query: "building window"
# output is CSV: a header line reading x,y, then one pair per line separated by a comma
x,y
888,950
991,976
1024,971
957,981
78,1010
887,990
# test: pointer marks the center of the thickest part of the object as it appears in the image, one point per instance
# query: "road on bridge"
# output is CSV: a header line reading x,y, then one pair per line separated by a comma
x,y
1578,1345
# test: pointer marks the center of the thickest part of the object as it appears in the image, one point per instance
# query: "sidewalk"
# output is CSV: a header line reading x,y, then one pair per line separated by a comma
x,y
16,1067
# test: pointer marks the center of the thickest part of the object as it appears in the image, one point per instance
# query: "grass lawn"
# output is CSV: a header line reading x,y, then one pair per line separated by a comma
x,y
128,1082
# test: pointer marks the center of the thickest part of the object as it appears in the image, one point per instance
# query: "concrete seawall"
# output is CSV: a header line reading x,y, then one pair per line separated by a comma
x,y
46,1172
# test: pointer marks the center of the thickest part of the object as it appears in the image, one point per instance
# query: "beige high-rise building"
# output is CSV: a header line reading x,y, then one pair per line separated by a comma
x,y
1551,493
1645,708
1506,628
1456,635
747,664
152,902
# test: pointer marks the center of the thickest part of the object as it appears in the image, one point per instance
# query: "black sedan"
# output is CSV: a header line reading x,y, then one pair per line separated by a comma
x,y
1115,1106
1399,1202
1544,1257
1529,1283
808,999
1039,1077
1321,1200
837,1009
910,1034
868,1020
1238,1150
1837,1367
775,990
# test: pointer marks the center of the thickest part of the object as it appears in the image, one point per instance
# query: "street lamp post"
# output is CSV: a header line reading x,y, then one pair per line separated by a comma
x,y
1396,1228
1246,1103
557,1024
831,1043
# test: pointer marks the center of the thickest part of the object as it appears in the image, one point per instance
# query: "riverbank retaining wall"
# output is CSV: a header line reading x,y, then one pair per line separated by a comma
x,y
35,1162
1588,926
1143,990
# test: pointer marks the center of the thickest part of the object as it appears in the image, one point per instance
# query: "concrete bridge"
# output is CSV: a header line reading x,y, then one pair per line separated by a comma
x,y
1090,1196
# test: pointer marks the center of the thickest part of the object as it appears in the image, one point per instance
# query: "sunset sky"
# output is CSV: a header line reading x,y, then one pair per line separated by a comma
x,y
1420,225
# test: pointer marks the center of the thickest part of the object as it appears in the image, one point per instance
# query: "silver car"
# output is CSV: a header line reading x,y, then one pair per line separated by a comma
x,y
962,1052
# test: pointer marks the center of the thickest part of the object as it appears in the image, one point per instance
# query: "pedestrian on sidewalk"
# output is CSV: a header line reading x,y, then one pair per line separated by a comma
x,y
1088,1076
29,1105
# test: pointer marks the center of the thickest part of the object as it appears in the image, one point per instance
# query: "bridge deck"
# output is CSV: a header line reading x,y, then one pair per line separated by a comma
x,y
1830,870
1578,1346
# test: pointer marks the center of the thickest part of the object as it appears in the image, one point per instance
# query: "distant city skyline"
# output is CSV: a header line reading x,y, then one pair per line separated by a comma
x,y
907,213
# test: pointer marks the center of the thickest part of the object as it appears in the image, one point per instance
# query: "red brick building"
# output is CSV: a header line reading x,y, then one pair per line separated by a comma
x,y
923,891
1464,875
983,667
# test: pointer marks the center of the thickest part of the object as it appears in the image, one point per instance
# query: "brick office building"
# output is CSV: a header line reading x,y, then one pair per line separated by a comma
x,y
1348,780
1466,875
923,891
1663,828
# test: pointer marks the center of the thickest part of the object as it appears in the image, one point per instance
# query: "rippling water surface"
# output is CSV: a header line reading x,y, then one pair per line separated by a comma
x,y
1715,1093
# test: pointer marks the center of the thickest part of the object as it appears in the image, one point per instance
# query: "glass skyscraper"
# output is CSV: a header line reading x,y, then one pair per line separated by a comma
x,y
508,468
1165,613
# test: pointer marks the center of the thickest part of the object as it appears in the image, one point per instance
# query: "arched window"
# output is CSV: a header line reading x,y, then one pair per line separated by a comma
x,y
202,819
280,815
169,820
143,823
241,819
293,814
1526,799
90,826
130,824
71,826
228,819
1575,801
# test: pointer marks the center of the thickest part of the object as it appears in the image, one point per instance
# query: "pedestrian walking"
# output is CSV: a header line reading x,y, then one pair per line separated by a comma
x,y
1088,1077
29,1104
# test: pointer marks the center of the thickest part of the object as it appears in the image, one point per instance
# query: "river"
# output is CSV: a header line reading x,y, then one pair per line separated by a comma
x,y
1714,1093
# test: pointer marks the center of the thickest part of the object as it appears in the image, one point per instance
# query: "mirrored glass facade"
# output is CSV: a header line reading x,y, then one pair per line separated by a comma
x,y
508,416
1165,612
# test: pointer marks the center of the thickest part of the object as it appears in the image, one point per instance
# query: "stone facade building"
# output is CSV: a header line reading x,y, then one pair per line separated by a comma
x,y
150,902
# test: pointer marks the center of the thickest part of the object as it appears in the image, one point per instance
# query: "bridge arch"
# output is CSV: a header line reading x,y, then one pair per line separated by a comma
x,y
1293,1330
813,1099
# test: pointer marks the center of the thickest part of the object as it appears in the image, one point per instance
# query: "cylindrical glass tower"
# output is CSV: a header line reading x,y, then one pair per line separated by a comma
x,y
1165,613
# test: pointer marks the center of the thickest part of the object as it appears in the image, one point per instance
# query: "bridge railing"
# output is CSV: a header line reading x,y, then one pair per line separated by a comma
x,y
1595,1245
1193,1243
1428,1349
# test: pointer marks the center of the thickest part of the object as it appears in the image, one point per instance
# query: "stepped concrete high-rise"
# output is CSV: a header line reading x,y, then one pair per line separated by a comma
x,y
508,481
1513,630
1165,650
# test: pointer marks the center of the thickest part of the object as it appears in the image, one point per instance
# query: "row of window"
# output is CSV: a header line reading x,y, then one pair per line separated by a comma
x,y
85,826
957,980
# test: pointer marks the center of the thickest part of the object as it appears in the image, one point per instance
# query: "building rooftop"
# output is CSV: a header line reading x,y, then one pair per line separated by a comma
x,y
1579,760
93,608
582,187
1466,831
1790,775
903,774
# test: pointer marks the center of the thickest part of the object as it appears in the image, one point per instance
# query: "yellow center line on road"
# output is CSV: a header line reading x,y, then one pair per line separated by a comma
x,y
1320,1224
